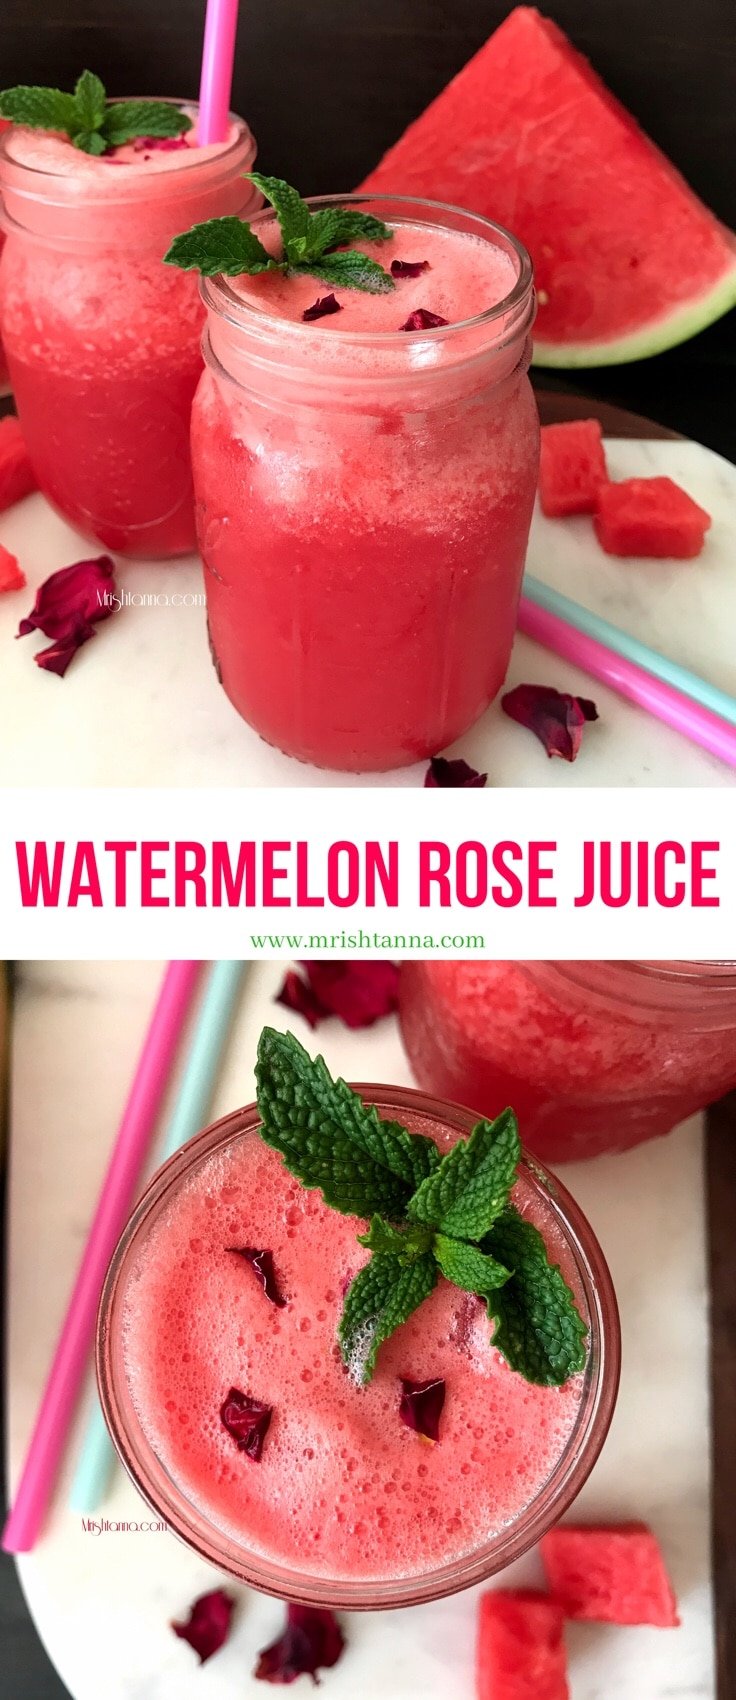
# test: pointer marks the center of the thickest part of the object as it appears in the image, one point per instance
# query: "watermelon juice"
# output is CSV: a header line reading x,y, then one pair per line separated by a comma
x,y
346,1504
594,1056
364,492
103,339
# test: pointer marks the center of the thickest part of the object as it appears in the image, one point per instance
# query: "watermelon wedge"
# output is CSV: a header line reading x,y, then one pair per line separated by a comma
x,y
520,1653
609,1574
627,260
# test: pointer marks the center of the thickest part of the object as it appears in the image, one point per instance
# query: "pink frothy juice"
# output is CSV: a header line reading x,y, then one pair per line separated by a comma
x,y
364,493
346,1504
594,1056
103,339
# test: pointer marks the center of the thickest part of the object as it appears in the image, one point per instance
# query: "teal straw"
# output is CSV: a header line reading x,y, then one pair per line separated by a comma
x,y
212,1026
631,648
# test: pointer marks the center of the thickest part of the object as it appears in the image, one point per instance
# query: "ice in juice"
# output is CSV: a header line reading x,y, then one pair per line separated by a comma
x,y
364,495
595,1057
103,339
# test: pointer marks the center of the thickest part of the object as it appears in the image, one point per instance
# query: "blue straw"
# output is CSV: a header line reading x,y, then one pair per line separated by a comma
x,y
189,1114
631,648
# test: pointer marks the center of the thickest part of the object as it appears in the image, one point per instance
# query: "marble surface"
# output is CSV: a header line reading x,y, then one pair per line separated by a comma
x,y
141,704
102,1604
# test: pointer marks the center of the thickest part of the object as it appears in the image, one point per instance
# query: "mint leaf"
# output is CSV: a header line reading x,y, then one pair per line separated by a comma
x,y
351,270
330,1139
404,1243
89,141
468,1191
467,1267
334,225
40,109
382,1297
126,119
224,245
89,100
291,211
538,1328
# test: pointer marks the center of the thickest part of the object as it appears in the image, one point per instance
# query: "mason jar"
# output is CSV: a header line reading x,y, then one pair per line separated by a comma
x,y
593,1056
363,507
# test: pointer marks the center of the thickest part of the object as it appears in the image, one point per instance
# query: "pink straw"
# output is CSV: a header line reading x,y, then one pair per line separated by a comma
x,y
70,1361
218,58
663,701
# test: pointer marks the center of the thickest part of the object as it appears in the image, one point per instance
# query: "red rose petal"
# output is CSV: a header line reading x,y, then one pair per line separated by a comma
x,y
208,1624
68,605
409,268
443,773
423,320
11,575
321,308
262,1263
247,1420
296,994
165,144
554,717
312,1640
420,1406
358,993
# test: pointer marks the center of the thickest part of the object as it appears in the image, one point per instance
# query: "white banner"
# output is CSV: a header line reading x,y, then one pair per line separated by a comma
x,y
275,874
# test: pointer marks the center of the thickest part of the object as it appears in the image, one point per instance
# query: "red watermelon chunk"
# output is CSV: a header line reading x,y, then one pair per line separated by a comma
x,y
11,577
572,468
520,1650
16,473
628,261
610,1574
649,516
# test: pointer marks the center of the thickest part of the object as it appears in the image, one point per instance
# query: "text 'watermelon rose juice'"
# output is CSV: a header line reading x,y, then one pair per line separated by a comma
x,y
594,1056
364,492
103,339
345,1504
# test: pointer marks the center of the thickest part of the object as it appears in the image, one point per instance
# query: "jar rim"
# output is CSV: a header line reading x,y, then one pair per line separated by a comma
x,y
592,1421
219,295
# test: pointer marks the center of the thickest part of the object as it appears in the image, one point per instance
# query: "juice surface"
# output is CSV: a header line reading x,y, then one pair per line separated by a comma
x,y
342,1488
585,1077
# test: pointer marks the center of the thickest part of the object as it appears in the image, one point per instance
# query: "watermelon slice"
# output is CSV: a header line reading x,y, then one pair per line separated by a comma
x,y
11,577
572,468
649,516
16,473
628,261
520,1652
610,1574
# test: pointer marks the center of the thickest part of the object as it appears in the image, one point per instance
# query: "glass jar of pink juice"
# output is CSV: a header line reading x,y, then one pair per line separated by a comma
x,y
364,490
103,339
345,1504
594,1056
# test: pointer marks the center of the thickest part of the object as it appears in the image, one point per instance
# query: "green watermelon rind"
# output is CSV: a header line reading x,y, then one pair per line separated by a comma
x,y
653,338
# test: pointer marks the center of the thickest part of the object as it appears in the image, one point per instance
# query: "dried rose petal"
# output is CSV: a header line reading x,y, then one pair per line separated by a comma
x,y
67,608
554,717
208,1624
422,320
297,994
420,1406
165,144
311,1641
247,1420
443,773
322,307
409,268
358,993
262,1263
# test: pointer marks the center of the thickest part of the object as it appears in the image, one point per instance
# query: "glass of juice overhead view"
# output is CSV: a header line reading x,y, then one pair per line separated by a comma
x,y
365,451
595,1056
102,339
370,1388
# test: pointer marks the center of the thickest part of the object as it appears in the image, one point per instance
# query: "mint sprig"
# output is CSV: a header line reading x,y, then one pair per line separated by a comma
x,y
92,122
312,244
428,1215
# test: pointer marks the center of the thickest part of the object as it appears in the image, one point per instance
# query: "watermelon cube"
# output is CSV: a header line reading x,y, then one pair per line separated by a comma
x,y
572,468
11,577
520,1651
16,473
649,516
609,1574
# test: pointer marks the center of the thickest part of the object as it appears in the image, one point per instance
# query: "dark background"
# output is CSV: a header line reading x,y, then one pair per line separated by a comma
x,y
327,85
